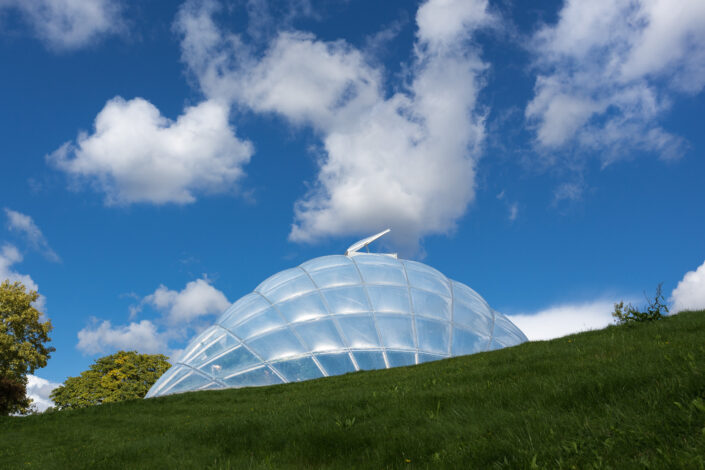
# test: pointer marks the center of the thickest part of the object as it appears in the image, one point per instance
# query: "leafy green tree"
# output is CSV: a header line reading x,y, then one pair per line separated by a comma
x,y
655,310
121,376
22,344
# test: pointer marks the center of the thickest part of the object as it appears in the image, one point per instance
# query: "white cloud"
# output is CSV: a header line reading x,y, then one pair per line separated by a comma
x,y
406,161
689,294
608,70
565,319
25,225
442,22
39,389
513,211
69,24
264,16
180,312
143,337
197,299
568,192
10,255
137,155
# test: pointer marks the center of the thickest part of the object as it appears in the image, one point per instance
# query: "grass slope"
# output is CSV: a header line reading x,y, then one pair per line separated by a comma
x,y
623,397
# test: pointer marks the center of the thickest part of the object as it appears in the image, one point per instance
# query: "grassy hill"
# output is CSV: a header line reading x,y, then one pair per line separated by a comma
x,y
623,397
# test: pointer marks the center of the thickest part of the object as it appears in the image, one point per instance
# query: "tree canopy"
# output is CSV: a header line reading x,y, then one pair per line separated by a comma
x,y
121,376
23,335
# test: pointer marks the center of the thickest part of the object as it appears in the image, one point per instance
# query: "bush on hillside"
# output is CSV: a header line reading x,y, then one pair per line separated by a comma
x,y
655,310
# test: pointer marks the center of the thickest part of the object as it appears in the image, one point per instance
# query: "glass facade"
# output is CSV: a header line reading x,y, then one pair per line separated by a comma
x,y
338,314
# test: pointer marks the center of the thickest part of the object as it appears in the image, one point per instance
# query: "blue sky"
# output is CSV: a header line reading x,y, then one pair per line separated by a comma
x,y
160,159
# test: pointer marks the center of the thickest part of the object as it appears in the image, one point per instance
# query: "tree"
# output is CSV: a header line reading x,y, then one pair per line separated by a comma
x,y
22,344
121,376
655,310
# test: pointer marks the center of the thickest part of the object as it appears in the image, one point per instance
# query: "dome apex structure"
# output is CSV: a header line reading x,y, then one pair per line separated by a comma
x,y
338,314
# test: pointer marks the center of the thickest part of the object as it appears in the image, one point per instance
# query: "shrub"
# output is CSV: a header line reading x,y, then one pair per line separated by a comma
x,y
655,310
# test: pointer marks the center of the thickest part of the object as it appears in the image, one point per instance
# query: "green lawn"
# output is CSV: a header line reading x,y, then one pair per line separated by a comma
x,y
623,397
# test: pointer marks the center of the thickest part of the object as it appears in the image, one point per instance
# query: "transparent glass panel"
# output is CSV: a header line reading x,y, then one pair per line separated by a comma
x,y
169,377
369,360
346,299
336,364
428,280
197,344
494,345
190,382
325,262
296,370
233,361
396,331
265,321
389,298
375,258
320,335
462,293
359,330
216,344
253,378
467,342
243,309
382,274
506,331
422,268
429,357
337,276
401,358
302,308
433,336
277,345
469,317
211,386
279,278
428,304
291,288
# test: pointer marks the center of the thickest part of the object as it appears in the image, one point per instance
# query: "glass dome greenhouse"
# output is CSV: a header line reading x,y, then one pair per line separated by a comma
x,y
338,314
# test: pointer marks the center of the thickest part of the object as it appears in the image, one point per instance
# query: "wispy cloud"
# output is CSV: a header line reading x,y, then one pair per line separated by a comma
x,y
512,206
608,70
24,224
69,24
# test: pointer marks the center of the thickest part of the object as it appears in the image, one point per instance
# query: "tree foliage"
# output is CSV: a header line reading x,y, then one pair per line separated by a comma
x,y
655,310
22,344
121,376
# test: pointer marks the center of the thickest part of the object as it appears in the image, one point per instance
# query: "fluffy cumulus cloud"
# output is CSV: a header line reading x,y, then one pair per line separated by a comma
x,y
179,312
608,70
565,319
405,160
103,337
69,24
197,299
137,155
24,225
689,294
39,389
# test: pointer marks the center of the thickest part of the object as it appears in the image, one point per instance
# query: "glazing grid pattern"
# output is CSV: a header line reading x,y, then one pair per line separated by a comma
x,y
338,314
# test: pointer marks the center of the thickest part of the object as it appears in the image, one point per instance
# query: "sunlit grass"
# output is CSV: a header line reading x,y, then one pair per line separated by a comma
x,y
625,397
